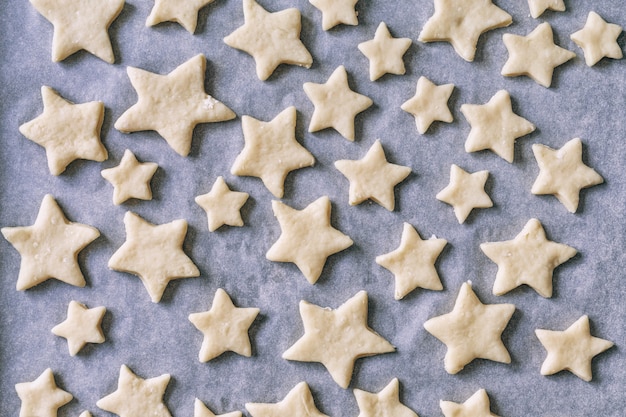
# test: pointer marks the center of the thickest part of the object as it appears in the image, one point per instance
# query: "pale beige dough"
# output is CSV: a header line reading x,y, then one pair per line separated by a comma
x,y
183,12
222,206
297,403
598,39
130,179
336,12
465,192
385,53
201,410
384,403
475,406
429,104
537,7
82,326
41,397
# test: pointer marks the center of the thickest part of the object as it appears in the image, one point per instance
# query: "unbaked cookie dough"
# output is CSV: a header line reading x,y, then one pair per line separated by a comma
x,y
537,7
465,192
336,12
384,403
41,397
297,403
475,406
82,326
385,53
184,13
598,39
429,104
201,410
130,179
222,206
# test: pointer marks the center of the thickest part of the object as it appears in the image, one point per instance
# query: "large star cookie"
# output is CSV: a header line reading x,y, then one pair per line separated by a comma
x,y
475,406
183,12
598,39
384,403
537,7
385,53
172,104
465,192
222,206
335,12
297,403
82,326
41,397
201,410
130,179
429,104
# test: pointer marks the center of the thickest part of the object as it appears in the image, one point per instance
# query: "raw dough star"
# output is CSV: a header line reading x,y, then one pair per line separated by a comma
x,y
154,253
528,259
49,248
82,326
495,126
297,403
130,179
465,192
384,403
271,38
385,53
80,24
471,330
307,238
563,173
571,349
462,22
598,39
534,55
475,406
413,263
336,105
335,12
67,131
429,104
537,7
172,104
201,410
373,177
225,327
271,151
337,338
222,205
41,397
136,396
183,12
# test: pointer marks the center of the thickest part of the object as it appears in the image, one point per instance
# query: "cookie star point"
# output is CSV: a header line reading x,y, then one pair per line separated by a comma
x,y
82,326
298,402
336,12
184,13
475,406
41,397
222,206
130,179
465,192
384,403
537,7
429,104
598,39
385,53
201,410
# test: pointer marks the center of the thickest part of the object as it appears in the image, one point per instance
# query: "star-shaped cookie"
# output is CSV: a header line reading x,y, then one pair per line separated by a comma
x,y
307,238
183,12
528,259
154,253
67,131
136,396
385,53
534,55
413,263
80,25
82,326
225,327
571,349
384,403
335,12
598,39
429,104
563,173
201,410
49,248
172,104
41,397
537,7
495,126
271,38
462,22
336,105
130,179
222,205
297,403
337,338
472,330
475,406
271,151
373,177
465,192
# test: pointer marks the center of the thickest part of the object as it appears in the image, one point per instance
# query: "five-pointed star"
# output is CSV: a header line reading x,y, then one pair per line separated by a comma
x,y
528,259
384,403
183,12
67,131
307,238
271,150
475,406
336,105
130,179
271,38
471,330
297,403
136,396
563,173
222,205
335,12
537,7
413,263
201,410
462,22
82,326
373,177
534,55
337,338
80,25
465,192
495,126
385,53
429,104
598,39
172,104
154,253
49,248
225,327
41,397
571,349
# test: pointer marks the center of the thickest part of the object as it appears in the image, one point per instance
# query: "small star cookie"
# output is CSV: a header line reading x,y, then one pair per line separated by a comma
x,y
598,39
201,410
297,403
172,104
429,104
563,173
537,7
475,406
184,13
130,179
571,349
49,248
385,53
41,397
271,38
67,131
222,205
82,326
472,330
337,338
384,403
465,192
335,12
